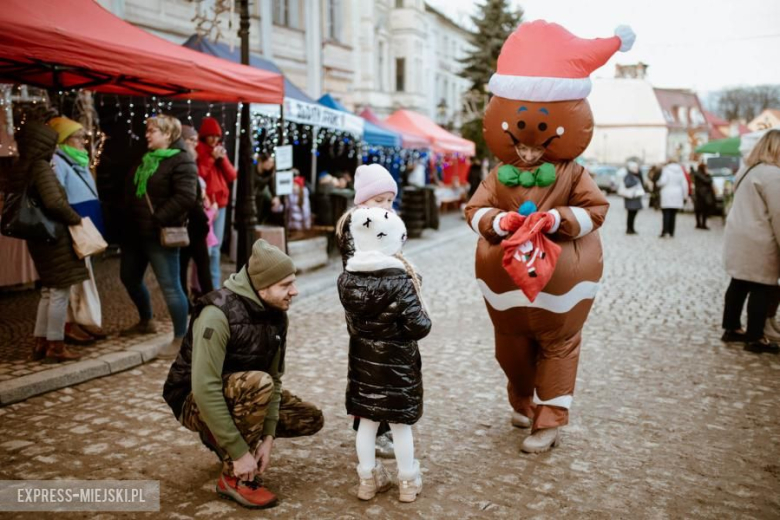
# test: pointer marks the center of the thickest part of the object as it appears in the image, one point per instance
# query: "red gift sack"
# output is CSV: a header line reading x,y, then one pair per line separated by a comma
x,y
529,256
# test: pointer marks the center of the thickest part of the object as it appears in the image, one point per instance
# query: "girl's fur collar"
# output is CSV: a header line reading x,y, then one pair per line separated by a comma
x,y
367,261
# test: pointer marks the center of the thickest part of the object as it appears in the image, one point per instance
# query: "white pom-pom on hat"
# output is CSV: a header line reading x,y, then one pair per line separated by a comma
x,y
627,37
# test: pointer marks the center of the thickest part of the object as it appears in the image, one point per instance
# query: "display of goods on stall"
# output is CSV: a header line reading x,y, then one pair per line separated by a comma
x,y
414,204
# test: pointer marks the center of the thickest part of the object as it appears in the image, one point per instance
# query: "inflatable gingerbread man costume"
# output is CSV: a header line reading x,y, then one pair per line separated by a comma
x,y
537,123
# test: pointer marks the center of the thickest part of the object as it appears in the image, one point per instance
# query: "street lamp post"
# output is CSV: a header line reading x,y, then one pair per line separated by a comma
x,y
246,214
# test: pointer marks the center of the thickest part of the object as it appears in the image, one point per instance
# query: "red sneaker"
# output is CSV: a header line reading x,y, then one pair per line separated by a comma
x,y
249,494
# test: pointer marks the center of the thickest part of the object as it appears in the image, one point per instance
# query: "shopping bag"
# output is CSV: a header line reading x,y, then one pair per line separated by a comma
x,y
87,240
529,256
84,306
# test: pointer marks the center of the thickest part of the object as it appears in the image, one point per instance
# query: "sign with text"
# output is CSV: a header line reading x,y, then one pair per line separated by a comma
x,y
284,182
314,115
284,157
80,495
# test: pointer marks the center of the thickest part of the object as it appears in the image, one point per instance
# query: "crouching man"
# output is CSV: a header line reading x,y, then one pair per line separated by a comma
x,y
226,381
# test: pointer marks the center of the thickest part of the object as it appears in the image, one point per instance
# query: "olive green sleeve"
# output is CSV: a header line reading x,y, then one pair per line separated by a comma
x,y
210,334
272,414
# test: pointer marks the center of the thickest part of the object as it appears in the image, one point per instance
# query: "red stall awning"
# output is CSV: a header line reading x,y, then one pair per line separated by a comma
x,y
66,44
408,139
443,141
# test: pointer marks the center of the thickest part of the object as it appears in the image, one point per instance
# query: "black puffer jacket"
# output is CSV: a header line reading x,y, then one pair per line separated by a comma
x,y
385,319
172,190
56,262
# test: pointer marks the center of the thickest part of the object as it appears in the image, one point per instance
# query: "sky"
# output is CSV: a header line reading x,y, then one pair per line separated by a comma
x,y
704,45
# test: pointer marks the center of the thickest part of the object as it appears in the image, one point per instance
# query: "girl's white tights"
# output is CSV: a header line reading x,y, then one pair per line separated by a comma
x,y
403,441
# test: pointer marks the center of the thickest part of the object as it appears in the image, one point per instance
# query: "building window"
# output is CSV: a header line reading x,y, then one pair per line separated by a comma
x,y
287,13
418,70
334,20
400,74
380,72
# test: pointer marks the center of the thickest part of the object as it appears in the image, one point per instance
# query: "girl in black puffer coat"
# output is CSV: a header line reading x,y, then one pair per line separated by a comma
x,y
386,316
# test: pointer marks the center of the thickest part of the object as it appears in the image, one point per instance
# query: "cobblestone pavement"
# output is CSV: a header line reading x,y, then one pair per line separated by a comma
x,y
667,422
18,309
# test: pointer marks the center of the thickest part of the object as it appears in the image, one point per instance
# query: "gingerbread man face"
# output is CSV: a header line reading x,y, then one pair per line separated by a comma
x,y
555,131
538,112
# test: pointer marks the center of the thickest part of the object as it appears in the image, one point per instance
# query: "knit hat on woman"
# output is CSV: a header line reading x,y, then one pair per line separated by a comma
x,y
65,127
372,180
209,126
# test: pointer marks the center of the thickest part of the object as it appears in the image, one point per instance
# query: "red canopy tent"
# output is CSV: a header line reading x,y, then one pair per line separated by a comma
x,y
443,141
408,139
456,149
68,44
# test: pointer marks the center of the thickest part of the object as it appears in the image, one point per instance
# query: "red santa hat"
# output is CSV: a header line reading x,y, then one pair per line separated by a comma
x,y
542,61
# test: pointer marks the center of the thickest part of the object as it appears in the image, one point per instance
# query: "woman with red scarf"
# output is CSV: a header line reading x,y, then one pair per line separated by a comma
x,y
215,168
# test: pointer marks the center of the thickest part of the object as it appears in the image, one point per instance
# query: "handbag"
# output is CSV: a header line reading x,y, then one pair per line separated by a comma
x,y
23,217
87,240
171,236
633,192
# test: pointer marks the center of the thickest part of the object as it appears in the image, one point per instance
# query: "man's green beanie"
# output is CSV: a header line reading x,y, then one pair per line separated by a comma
x,y
268,265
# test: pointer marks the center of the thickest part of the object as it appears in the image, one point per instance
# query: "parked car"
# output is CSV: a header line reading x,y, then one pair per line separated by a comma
x,y
606,177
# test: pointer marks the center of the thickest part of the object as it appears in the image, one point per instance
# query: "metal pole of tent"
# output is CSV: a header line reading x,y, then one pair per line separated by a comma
x,y
315,131
246,212
281,142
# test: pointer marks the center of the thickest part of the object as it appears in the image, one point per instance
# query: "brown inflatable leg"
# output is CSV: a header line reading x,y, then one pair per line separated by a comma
x,y
556,374
517,357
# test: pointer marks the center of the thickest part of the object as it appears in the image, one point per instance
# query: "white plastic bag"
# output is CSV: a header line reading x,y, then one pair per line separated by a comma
x,y
84,306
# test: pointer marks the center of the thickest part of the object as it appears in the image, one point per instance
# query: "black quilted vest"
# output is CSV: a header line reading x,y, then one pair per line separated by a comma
x,y
256,334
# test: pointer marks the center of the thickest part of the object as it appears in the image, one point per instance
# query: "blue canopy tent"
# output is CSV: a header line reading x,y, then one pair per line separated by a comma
x,y
372,134
375,136
298,106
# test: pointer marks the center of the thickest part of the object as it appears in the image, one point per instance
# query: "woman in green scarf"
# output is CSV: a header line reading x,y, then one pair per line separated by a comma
x,y
71,165
166,178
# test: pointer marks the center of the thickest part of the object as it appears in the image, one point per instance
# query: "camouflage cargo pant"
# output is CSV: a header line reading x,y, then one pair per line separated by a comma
x,y
247,395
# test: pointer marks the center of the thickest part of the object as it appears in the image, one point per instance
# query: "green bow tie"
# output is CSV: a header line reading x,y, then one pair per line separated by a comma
x,y
543,176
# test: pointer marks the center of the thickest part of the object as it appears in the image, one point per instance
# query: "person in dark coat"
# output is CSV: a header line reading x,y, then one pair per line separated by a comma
x,y
703,196
632,193
167,180
198,228
386,317
655,194
56,262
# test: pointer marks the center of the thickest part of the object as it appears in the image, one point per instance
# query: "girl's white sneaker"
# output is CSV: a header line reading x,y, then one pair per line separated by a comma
x,y
373,482
409,486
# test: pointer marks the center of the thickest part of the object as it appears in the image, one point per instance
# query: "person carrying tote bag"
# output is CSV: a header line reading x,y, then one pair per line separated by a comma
x,y
158,195
71,165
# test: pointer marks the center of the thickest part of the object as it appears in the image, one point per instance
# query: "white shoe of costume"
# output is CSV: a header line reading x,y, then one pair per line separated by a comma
x,y
520,421
541,440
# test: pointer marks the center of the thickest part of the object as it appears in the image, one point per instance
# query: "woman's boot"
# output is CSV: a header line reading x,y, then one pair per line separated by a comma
x,y
39,349
56,351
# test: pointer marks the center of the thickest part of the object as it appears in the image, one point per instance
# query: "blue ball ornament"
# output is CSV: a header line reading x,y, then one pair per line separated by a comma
x,y
526,208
